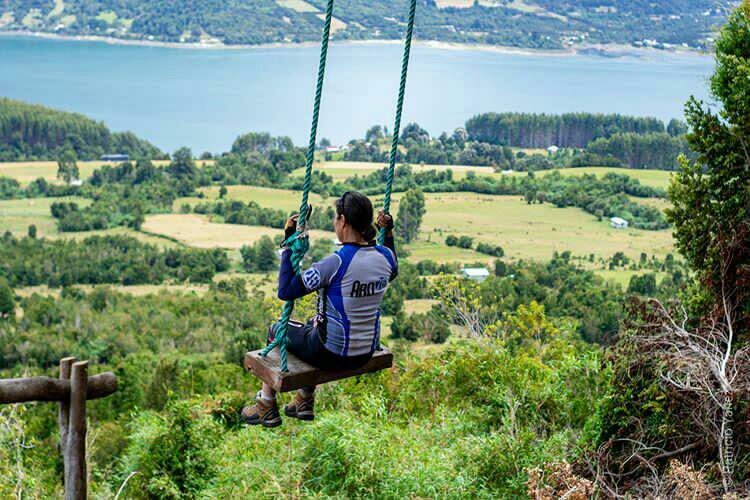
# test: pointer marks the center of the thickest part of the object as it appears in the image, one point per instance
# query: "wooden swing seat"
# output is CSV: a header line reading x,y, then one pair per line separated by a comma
x,y
301,374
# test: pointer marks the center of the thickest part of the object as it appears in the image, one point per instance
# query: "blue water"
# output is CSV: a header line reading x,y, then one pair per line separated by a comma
x,y
205,98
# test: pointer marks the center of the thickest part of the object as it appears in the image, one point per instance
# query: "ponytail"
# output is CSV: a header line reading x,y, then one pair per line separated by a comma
x,y
357,208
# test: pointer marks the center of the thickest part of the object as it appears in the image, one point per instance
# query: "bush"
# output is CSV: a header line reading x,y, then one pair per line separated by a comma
x,y
494,250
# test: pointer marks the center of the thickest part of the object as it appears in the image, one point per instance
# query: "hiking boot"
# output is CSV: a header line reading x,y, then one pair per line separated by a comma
x,y
301,407
262,412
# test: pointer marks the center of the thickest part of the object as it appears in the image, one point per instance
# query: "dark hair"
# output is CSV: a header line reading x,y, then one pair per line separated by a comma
x,y
357,208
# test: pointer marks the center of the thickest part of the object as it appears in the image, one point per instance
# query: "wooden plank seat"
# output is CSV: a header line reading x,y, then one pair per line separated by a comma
x,y
301,374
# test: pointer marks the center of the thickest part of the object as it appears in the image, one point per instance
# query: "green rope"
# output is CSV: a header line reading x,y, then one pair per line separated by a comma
x,y
399,110
299,243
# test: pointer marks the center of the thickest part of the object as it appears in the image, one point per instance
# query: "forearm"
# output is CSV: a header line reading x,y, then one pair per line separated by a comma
x,y
290,283
390,243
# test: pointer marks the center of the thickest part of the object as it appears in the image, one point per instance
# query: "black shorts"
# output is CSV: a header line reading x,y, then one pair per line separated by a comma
x,y
306,344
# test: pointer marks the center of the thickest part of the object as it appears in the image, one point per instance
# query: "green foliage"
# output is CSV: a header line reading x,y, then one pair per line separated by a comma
x,y
543,24
610,140
609,194
7,300
104,259
710,196
172,454
67,168
106,326
260,257
427,327
651,151
571,130
644,285
411,209
33,132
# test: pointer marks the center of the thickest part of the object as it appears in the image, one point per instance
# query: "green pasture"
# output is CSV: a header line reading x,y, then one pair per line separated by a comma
x,y
198,231
17,215
658,203
622,276
525,231
652,178
341,170
280,199
27,171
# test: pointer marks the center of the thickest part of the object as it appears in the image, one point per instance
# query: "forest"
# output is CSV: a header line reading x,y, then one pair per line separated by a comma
x,y
537,24
544,380
33,132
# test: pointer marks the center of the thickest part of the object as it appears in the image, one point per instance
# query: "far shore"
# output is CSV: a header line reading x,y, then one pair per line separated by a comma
x,y
604,50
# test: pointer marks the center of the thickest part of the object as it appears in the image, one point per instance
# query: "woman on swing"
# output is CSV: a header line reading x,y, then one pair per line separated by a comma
x,y
351,284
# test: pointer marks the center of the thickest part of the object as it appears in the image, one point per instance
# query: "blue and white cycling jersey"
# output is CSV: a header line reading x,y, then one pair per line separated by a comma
x,y
351,283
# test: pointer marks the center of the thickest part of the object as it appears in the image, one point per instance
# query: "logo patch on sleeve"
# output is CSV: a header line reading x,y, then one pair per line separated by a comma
x,y
311,279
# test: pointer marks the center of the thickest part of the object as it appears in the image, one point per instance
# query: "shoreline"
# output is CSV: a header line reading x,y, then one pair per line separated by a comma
x,y
601,50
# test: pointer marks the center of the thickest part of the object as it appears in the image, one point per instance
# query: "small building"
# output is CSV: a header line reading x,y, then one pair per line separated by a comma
x,y
115,157
553,149
618,223
475,273
76,183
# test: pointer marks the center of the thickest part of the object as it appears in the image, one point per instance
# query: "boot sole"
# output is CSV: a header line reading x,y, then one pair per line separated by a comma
x,y
265,423
305,415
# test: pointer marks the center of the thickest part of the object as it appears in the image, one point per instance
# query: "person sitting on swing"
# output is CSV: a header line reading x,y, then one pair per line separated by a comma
x,y
351,284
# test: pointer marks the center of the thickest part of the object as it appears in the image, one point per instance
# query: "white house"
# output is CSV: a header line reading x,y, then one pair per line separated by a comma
x,y
475,273
553,149
618,223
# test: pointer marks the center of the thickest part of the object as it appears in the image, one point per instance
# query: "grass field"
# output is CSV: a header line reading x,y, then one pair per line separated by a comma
x,y
27,171
622,276
297,5
659,203
420,306
526,231
341,170
279,199
198,231
159,241
17,215
653,178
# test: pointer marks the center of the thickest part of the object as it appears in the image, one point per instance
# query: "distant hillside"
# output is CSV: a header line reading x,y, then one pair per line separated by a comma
x,y
547,24
33,132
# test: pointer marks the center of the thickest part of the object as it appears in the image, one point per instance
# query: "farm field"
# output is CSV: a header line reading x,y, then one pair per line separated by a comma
x,y
341,170
159,241
659,203
27,171
198,231
622,276
17,215
652,178
528,231
280,199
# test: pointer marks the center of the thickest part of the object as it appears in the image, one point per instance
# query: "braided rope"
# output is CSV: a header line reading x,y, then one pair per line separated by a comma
x,y
299,243
399,110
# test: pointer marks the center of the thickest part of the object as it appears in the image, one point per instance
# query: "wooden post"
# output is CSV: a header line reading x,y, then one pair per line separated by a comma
x,y
64,405
75,451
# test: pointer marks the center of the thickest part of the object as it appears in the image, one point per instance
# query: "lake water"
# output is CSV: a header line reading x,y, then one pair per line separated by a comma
x,y
205,98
